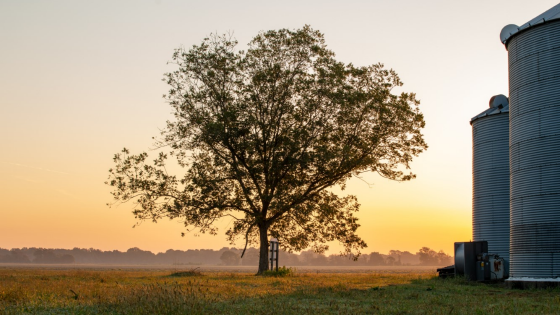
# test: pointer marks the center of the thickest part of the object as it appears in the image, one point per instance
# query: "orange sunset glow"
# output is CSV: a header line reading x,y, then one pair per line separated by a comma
x,y
81,80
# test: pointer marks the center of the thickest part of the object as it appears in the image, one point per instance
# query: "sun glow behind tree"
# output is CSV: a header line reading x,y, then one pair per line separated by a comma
x,y
264,134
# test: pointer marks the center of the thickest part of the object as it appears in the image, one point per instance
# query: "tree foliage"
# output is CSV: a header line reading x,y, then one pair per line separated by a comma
x,y
229,258
430,257
263,136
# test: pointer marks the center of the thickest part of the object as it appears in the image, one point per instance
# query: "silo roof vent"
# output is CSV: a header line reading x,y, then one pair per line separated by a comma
x,y
500,101
498,104
512,29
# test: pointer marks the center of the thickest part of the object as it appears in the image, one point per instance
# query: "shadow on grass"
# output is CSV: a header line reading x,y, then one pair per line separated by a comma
x,y
188,273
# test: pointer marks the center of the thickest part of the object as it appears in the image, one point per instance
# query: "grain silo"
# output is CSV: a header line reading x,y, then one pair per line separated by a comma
x,y
490,204
534,104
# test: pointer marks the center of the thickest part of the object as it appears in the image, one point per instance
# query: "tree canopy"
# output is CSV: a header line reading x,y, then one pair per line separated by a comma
x,y
263,136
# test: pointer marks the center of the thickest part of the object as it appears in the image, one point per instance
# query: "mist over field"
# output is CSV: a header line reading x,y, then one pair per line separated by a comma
x,y
223,257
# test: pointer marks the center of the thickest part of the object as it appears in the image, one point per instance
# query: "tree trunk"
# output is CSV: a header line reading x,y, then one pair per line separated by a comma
x,y
263,253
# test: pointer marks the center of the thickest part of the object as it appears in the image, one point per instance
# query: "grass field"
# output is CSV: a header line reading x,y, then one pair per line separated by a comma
x,y
75,291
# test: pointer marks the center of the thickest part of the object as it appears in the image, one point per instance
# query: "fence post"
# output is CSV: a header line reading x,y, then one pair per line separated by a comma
x,y
274,253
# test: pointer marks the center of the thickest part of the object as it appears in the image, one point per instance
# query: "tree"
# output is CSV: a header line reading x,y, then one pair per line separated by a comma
x,y
427,256
251,257
14,256
49,256
263,136
443,258
376,259
396,254
229,258
390,261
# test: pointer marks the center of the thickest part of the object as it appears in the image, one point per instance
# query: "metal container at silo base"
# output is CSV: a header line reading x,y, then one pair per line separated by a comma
x,y
534,104
490,171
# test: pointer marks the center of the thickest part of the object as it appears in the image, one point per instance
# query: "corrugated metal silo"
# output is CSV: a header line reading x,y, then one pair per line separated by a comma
x,y
490,202
534,87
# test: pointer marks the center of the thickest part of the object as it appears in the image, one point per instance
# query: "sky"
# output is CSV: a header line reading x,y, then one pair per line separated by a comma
x,y
80,80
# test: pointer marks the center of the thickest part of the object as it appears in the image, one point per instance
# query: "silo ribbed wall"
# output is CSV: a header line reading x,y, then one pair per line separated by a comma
x,y
491,183
534,87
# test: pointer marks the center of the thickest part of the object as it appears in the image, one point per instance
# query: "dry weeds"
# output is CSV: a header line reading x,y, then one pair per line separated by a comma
x,y
184,291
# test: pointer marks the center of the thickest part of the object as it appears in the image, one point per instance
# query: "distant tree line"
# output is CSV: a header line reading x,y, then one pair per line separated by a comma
x,y
225,256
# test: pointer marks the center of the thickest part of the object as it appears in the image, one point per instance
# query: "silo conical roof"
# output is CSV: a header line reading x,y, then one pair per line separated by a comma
x,y
498,104
509,30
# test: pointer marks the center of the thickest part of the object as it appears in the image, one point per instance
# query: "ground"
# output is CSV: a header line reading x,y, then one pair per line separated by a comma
x,y
171,290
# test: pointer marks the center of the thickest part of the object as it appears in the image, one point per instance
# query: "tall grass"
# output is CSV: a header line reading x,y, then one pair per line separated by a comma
x,y
157,292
